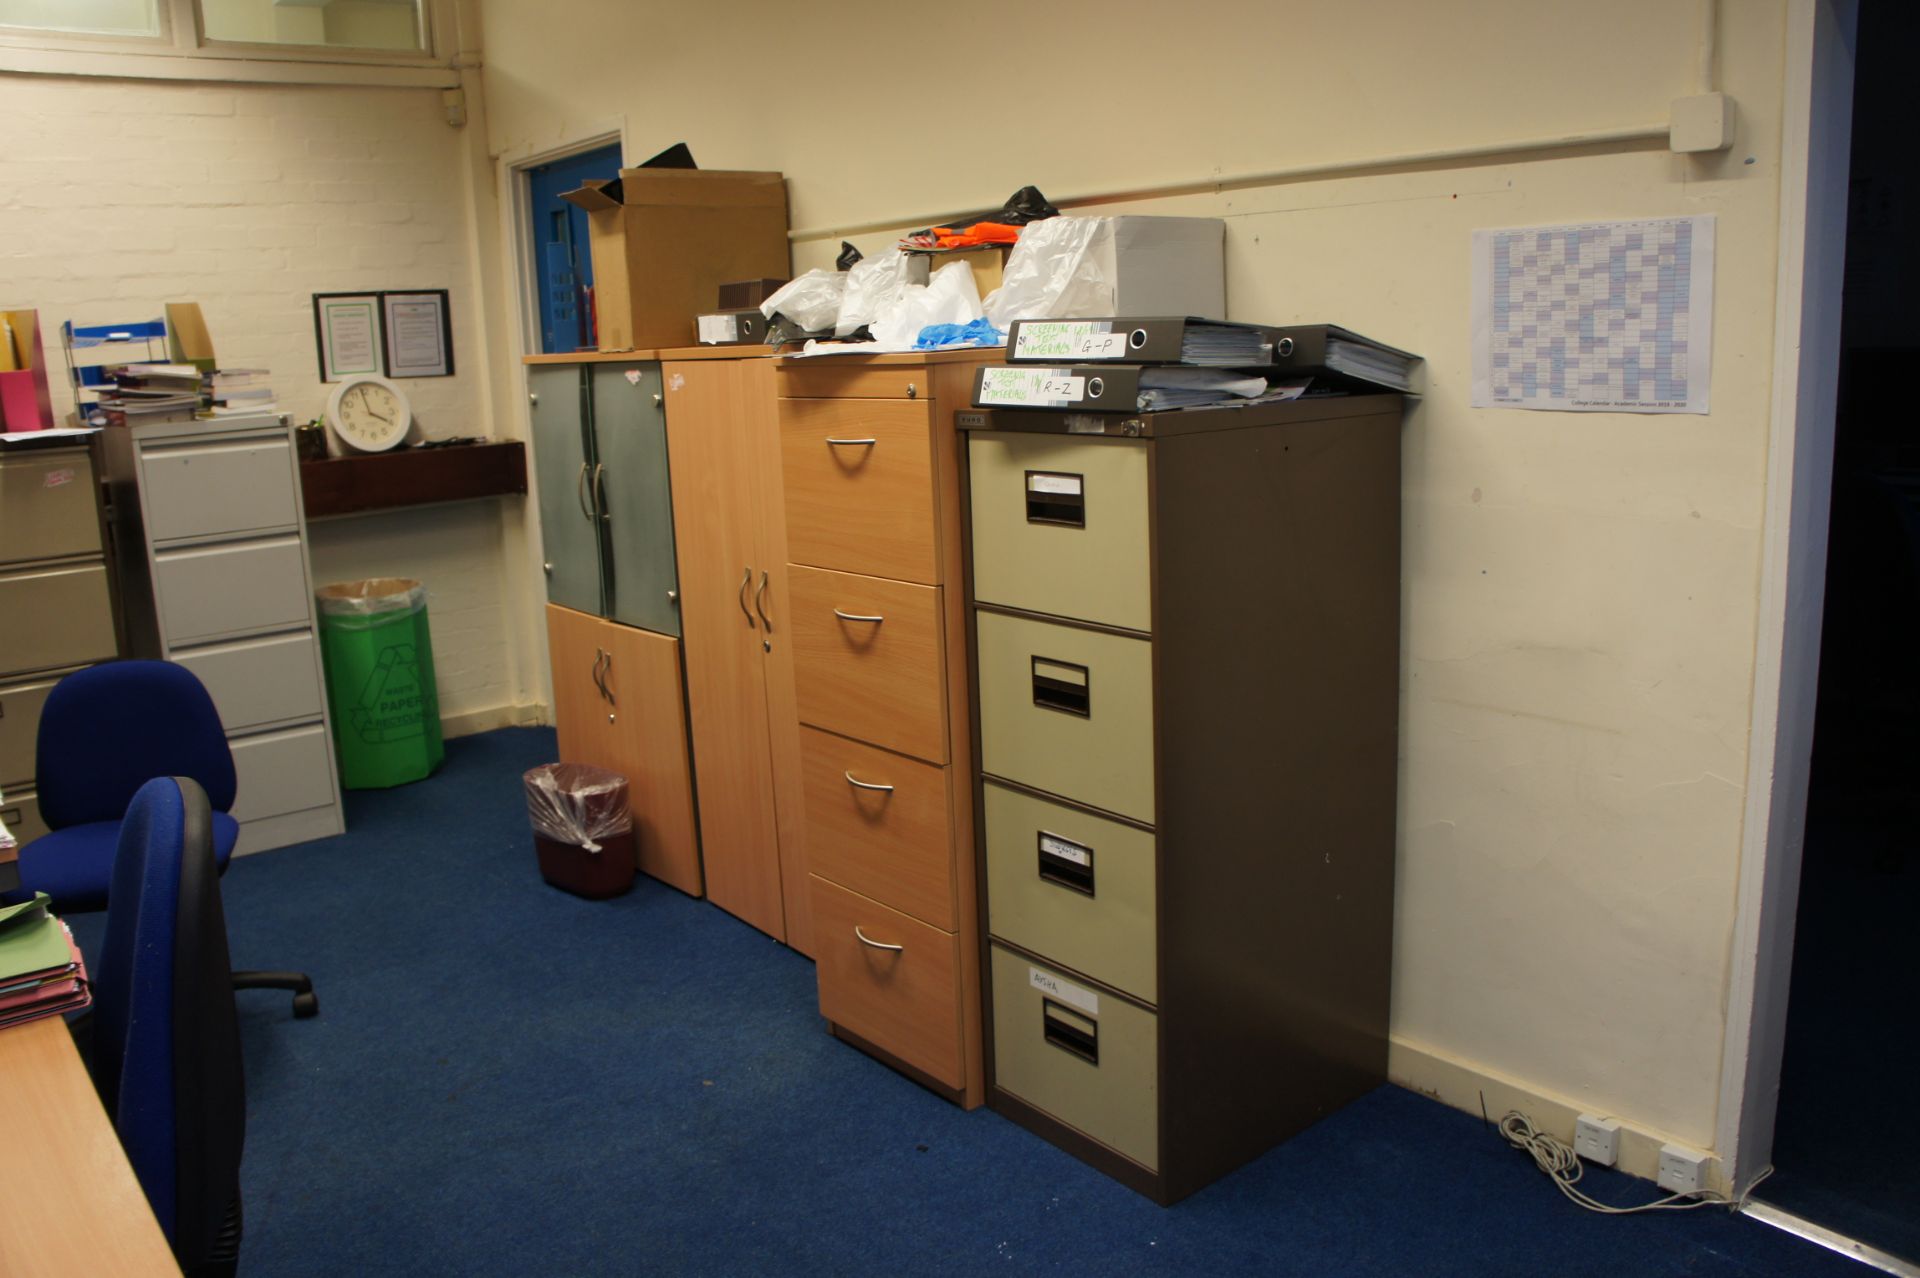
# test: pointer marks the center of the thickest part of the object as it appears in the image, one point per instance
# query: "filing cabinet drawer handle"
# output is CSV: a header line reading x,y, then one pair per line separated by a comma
x,y
867,785
746,581
878,945
854,616
851,443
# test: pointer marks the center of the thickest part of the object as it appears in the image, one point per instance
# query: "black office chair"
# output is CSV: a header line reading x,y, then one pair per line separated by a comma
x,y
165,1037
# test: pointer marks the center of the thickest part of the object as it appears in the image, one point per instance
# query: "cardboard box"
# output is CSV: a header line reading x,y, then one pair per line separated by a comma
x,y
741,294
664,240
989,265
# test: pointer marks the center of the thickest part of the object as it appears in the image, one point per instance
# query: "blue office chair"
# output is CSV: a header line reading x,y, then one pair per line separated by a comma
x,y
104,732
165,1035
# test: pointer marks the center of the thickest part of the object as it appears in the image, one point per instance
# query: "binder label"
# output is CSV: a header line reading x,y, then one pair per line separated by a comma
x,y
1072,995
1069,339
1029,387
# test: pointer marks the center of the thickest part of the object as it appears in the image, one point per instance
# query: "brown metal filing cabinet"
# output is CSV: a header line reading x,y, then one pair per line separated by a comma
x,y
871,470
56,607
1187,670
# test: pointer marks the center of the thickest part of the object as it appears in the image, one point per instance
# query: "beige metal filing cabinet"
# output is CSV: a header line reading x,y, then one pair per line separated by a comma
x,y
211,543
871,470
1187,639
56,609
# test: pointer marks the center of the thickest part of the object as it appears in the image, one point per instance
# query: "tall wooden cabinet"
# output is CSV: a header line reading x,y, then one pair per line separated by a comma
x,y
871,472
736,618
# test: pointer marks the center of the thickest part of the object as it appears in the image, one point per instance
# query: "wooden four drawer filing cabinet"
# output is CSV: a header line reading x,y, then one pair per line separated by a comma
x,y
56,608
1187,648
871,468
210,539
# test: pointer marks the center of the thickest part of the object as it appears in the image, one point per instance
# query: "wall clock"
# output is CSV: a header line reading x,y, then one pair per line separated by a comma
x,y
368,414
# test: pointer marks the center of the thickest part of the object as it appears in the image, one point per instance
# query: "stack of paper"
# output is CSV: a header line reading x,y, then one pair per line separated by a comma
x,y
1371,362
41,971
235,392
1177,387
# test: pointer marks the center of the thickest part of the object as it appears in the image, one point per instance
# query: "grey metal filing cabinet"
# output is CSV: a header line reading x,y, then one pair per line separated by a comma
x,y
1187,669
56,608
210,538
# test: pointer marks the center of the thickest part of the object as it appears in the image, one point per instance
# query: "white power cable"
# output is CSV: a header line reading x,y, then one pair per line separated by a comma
x,y
1557,1159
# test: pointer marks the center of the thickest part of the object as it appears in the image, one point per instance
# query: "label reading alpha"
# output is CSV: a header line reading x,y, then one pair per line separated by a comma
x,y
1072,995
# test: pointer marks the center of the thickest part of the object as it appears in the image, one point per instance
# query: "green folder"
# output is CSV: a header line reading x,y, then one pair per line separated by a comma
x,y
31,940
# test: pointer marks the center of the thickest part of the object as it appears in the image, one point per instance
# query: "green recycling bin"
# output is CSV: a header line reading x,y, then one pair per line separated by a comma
x,y
379,660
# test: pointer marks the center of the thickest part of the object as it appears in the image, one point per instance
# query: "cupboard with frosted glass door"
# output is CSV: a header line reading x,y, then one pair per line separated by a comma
x,y
606,525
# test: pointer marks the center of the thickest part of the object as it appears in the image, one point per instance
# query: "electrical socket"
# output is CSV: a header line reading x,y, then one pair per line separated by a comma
x,y
1683,1170
1597,1140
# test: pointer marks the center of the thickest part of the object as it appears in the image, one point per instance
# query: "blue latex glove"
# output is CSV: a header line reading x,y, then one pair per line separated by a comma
x,y
940,336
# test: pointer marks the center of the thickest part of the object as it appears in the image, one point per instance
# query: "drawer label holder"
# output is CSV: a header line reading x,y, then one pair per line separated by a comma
x,y
1063,991
1056,497
1066,863
1062,686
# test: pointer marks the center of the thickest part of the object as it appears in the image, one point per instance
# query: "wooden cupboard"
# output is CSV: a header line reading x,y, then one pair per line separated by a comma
x,y
730,530
617,705
871,472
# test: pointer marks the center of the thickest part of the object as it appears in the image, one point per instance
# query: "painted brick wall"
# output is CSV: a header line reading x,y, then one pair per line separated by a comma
x,y
119,196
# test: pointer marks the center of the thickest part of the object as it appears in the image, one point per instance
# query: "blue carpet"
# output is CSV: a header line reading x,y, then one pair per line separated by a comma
x,y
504,1079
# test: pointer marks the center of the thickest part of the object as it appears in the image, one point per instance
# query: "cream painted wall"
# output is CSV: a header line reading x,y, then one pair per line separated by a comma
x,y
123,195
1580,590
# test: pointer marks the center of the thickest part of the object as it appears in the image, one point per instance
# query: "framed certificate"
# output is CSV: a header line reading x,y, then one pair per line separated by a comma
x,y
346,328
419,340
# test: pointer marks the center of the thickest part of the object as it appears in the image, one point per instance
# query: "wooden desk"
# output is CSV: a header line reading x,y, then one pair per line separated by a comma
x,y
72,1203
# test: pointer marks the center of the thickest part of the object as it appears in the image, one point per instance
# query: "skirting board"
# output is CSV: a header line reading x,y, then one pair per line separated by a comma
x,y
1461,1083
469,722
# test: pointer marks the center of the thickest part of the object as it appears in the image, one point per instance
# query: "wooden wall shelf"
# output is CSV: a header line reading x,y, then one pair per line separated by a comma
x,y
412,477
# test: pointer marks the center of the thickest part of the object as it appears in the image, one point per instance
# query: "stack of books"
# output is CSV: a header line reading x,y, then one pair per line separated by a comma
x,y
1152,364
136,394
41,971
236,392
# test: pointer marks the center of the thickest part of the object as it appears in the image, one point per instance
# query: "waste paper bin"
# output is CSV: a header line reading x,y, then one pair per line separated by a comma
x,y
582,828
379,662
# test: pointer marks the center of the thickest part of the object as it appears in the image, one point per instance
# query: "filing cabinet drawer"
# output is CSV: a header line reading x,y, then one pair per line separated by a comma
x,y
210,592
1073,886
57,617
828,380
868,661
1060,526
47,507
20,727
859,487
1068,711
281,772
1087,1058
194,488
259,681
878,823
898,988
21,813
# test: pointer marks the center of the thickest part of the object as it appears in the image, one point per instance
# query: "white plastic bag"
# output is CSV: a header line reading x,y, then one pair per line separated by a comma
x,y
950,297
1060,266
873,286
812,301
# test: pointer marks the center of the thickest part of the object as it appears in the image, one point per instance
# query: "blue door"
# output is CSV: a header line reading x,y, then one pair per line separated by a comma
x,y
564,266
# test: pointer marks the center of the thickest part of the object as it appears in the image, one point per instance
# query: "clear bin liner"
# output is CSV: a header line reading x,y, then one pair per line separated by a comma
x,y
376,596
575,804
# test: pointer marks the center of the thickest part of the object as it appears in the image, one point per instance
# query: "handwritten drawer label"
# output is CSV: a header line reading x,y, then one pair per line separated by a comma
x,y
1065,849
1072,995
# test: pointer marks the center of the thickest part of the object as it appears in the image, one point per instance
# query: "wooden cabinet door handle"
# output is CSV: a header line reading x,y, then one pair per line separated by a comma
x,y
878,945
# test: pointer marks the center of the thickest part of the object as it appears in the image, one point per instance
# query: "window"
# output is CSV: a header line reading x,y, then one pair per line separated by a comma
x,y
84,17
397,42
337,24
